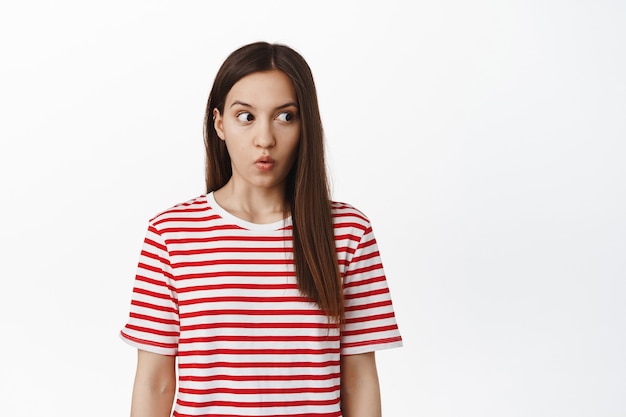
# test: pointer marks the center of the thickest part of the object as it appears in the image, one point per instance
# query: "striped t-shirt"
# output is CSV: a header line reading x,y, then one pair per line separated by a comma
x,y
220,293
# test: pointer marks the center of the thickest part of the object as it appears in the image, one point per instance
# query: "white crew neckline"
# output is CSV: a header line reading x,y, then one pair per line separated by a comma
x,y
277,225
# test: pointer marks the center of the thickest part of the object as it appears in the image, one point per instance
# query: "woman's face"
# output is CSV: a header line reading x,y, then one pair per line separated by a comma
x,y
261,128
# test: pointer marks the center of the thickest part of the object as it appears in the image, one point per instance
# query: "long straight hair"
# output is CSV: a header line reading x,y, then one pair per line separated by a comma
x,y
307,192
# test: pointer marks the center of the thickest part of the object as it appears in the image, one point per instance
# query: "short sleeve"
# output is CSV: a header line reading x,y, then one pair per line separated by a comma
x,y
370,322
153,322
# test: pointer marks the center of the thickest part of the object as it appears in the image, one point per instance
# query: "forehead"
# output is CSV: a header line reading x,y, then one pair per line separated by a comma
x,y
268,88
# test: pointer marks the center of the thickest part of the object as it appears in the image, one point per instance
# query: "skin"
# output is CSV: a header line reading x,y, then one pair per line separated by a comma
x,y
155,385
260,120
360,390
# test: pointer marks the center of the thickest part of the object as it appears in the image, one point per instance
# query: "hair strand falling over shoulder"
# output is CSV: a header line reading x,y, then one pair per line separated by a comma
x,y
307,193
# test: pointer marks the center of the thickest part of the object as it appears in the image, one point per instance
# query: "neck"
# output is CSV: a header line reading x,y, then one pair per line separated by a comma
x,y
254,205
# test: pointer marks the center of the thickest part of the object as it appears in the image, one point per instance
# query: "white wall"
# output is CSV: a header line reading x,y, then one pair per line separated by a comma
x,y
485,140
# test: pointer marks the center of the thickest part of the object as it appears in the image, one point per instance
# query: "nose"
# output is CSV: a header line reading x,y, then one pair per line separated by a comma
x,y
264,135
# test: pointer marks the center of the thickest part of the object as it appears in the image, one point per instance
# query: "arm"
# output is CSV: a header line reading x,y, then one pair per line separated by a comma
x,y
155,385
360,392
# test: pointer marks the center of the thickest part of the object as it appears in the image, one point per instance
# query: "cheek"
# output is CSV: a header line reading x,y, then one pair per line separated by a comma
x,y
293,150
293,141
295,135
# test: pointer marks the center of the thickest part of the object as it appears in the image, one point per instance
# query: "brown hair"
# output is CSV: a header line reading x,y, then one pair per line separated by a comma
x,y
307,192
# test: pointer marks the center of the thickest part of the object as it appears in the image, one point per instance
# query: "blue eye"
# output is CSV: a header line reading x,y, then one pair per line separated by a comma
x,y
244,116
285,116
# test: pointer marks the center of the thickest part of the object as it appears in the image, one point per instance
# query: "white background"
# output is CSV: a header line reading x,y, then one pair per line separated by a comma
x,y
485,140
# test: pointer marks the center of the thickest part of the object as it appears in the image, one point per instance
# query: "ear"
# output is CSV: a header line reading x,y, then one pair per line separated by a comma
x,y
218,123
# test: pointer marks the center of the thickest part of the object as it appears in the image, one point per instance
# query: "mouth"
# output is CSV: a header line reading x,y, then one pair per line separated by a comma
x,y
265,163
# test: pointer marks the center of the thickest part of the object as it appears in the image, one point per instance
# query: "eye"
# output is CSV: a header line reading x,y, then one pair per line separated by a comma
x,y
285,116
245,117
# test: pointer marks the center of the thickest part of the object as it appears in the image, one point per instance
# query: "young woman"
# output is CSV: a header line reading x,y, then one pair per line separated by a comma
x,y
261,297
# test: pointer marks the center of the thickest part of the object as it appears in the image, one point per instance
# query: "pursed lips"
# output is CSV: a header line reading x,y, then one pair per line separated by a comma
x,y
265,163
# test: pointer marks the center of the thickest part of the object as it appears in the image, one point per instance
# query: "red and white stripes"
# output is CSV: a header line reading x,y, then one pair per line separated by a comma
x,y
220,293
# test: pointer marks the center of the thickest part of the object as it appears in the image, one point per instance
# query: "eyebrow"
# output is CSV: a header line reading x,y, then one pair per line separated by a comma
x,y
282,106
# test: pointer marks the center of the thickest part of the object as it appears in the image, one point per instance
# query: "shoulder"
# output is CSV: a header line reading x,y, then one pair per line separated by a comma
x,y
193,209
345,214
